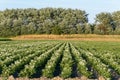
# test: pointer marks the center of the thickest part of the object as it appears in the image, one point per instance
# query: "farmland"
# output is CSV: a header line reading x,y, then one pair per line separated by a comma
x,y
67,59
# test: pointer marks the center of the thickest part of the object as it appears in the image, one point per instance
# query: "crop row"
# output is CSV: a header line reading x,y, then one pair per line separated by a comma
x,y
50,59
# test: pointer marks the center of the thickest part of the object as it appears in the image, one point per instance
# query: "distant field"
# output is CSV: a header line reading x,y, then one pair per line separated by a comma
x,y
63,58
84,37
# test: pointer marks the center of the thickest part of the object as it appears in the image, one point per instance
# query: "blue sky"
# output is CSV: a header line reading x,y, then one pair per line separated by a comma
x,y
92,7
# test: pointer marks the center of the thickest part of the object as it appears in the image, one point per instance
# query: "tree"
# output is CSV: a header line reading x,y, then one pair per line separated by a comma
x,y
103,22
116,20
56,30
47,26
42,21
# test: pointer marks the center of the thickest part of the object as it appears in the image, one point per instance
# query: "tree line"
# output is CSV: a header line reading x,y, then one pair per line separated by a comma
x,y
15,22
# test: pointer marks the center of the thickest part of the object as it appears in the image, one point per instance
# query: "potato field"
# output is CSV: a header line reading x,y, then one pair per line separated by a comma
x,y
66,59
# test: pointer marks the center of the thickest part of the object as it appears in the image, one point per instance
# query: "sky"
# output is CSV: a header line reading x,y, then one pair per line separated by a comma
x,y
92,7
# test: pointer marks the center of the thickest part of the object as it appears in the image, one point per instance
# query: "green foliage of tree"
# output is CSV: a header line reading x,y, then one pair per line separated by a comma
x,y
56,30
105,23
15,22
116,22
